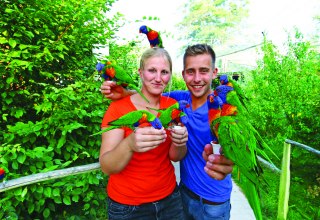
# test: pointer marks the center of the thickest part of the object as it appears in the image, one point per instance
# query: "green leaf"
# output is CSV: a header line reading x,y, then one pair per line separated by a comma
x,y
56,192
61,141
66,200
3,40
12,43
24,192
30,208
21,158
47,192
46,213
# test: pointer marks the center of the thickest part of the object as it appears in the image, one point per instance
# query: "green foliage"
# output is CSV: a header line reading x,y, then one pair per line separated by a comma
x,y
51,104
177,83
284,93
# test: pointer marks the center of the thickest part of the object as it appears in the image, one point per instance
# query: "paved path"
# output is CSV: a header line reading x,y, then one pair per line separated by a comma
x,y
240,208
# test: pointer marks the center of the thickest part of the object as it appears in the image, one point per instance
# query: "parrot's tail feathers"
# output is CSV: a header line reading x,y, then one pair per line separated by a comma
x,y
253,195
104,130
140,93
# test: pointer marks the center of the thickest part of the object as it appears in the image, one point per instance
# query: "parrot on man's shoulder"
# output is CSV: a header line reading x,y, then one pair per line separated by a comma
x,y
241,143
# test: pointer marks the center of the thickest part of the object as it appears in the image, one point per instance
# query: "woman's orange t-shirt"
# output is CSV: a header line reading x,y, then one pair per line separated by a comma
x,y
149,176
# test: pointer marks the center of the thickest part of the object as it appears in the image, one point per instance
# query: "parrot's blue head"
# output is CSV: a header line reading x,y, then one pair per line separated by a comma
x,y
143,29
183,104
184,119
222,92
214,101
100,66
223,79
156,123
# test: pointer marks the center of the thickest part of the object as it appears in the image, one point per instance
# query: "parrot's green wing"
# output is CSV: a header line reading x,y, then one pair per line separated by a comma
x,y
240,144
123,77
133,119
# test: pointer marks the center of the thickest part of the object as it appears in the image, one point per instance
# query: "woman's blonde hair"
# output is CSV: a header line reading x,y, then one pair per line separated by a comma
x,y
155,52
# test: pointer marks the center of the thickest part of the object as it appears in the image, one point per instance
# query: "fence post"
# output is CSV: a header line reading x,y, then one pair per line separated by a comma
x,y
284,188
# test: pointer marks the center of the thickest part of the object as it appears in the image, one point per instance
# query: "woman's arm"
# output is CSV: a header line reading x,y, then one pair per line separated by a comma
x,y
116,151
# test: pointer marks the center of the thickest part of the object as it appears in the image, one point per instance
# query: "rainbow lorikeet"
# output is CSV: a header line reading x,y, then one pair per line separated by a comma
x,y
134,119
214,103
111,71
227,81
153,36
174,114
2,173
241,143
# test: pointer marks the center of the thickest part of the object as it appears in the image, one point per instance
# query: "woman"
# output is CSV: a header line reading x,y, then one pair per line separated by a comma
x,y
142,183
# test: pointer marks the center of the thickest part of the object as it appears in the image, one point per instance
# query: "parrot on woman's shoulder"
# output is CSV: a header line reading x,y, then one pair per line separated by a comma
x,y
112,71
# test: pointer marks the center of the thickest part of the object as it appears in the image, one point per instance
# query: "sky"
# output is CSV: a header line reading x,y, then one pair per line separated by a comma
x,y
273,17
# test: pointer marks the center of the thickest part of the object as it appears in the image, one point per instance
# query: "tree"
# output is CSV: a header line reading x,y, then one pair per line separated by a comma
x,y
211,22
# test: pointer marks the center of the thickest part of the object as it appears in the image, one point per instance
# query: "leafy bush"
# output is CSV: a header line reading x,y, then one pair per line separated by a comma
x,y
51,104
284,104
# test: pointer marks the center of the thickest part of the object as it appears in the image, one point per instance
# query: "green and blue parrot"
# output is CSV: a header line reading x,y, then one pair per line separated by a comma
x,y
114,72
241,143
174,114
132,120
153,36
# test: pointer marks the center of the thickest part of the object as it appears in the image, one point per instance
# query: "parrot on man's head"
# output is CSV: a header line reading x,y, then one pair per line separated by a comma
x,y
153,36
241,143
134,119
174,114
111,71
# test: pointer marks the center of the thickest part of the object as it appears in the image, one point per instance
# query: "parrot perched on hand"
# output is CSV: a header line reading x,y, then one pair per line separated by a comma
x,y
2,173
134,119
241,143
111,71
153,36
173,115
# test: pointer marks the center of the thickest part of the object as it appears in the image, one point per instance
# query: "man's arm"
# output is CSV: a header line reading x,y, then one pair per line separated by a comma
x,y
113,91
217,166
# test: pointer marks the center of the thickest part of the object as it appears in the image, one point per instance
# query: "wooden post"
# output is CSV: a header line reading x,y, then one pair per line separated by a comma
x,y
284,189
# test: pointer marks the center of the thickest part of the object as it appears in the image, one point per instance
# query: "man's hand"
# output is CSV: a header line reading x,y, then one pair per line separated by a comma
x,y
217,166
112,91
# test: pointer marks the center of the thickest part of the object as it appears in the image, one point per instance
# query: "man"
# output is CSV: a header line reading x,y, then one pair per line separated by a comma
x,y
205,178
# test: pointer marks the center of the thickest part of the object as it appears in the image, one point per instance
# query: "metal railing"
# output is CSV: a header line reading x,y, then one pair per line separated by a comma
x,y
39,177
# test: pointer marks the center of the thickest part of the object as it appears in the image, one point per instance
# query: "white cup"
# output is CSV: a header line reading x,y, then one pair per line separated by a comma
x,y
177,127
216,148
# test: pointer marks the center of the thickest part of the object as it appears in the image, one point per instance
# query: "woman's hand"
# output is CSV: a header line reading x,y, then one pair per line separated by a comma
x,y
179,136
147,138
